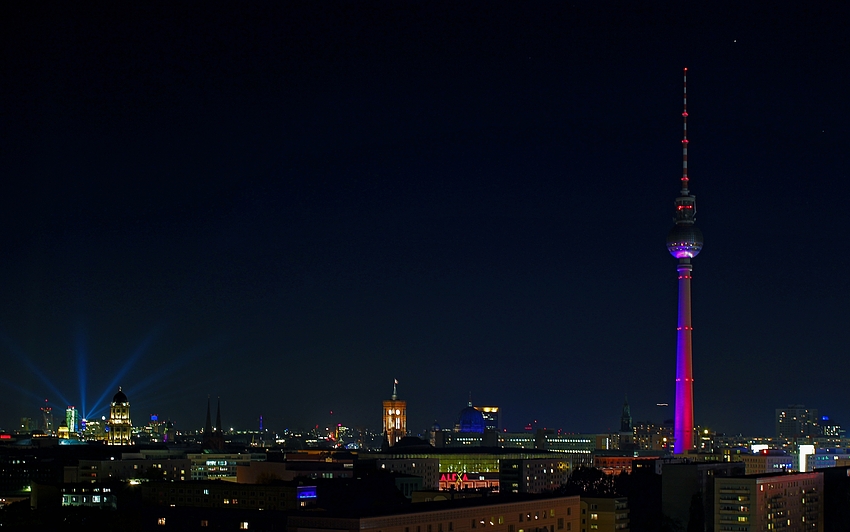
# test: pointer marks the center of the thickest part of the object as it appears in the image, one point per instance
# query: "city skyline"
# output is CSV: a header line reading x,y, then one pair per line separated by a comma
x,y
291,206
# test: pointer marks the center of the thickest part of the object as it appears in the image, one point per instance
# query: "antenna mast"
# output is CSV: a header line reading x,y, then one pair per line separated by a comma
x,y
685,191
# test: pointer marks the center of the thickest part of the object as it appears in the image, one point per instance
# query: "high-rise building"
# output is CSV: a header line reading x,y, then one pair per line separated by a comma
x,y
796,422
47,418
626,417
684,241
830,428
72,419
491,417
119,427
395,417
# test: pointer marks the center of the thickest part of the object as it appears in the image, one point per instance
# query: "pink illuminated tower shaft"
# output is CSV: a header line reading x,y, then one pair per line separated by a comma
x,y
684,242
683,429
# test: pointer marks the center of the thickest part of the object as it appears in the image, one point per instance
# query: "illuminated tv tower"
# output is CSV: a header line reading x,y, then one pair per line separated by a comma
x,y
684,241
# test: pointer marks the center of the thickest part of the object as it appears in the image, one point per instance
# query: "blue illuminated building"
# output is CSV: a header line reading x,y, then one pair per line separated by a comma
x,y
471,420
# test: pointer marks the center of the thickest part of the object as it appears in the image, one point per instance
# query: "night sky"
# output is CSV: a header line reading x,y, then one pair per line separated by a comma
x,y
288,205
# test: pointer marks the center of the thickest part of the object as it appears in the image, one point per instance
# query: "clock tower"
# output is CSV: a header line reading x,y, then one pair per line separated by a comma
x,y
395,417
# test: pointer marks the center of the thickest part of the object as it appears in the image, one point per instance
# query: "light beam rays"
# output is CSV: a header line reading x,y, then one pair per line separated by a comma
x,y
137,353
20,355
82,366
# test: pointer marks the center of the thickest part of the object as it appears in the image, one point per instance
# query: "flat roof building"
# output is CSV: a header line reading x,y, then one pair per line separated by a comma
x,y
777,501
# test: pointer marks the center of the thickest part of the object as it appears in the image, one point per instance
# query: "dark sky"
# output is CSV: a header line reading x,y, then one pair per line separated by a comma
x,y
288,205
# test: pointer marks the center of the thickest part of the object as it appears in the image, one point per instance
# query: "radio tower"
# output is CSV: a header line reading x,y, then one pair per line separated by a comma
x,y
684,241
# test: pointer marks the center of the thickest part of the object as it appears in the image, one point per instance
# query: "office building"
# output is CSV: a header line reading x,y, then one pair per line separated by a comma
x,y
796,422
492,420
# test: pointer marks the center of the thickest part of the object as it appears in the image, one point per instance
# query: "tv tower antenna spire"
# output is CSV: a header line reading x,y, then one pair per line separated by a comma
x,y
685,136
684,241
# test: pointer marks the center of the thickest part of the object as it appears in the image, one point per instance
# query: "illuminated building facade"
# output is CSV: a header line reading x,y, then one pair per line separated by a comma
x,y
830,428
777,501
614,464
470,420
95,430
395,417
684,242
119,427
491,417
471,468
72,420
649,436
89,496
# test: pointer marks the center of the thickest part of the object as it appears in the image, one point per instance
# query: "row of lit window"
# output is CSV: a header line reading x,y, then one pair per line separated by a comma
x,y
243,525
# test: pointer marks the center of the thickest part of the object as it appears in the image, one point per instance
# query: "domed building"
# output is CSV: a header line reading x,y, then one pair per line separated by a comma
x,y
471,420
119,427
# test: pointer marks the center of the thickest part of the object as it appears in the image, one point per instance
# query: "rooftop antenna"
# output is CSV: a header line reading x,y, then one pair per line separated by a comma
x,y
685,191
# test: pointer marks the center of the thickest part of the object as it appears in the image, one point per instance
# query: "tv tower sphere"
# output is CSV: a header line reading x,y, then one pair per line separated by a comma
x,y
684,241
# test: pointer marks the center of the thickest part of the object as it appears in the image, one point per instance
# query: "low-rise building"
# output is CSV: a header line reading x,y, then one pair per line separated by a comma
x,y
493,514
218,494
211,466
536,475
768,461
604,514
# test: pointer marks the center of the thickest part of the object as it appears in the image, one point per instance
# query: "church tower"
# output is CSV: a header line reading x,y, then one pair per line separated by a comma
x,y
213,437
395,418
119,426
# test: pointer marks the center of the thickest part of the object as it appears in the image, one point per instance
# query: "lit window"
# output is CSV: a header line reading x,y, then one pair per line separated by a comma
x,y
160,521
243,525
